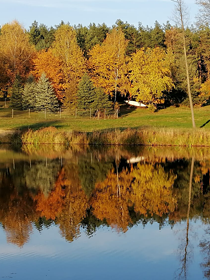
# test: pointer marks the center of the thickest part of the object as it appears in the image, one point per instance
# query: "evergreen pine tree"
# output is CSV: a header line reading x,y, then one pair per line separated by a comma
x,y
93,98
45,96
17,90
101,101
85,93
29,94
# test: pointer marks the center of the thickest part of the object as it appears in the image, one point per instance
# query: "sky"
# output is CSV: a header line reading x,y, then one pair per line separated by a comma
x,y
52,12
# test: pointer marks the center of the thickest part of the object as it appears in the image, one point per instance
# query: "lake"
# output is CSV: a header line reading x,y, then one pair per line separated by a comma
x,y
104,213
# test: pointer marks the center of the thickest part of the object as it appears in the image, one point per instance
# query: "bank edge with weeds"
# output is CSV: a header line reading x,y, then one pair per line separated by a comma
x,y
144,136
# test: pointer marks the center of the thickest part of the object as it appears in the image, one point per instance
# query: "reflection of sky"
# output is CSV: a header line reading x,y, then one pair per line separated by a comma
x,y
147,253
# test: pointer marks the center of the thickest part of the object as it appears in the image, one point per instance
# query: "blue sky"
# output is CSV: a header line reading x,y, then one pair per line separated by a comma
x,y
51,12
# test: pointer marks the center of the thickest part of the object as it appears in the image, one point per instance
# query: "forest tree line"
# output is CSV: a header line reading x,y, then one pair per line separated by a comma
x,y
93,67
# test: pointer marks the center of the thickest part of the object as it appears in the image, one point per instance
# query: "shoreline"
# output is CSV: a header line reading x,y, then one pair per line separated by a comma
x,y
153,137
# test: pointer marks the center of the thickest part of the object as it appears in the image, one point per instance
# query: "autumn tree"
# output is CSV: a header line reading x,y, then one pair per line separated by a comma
x,y
15,50
203,48
150,74
4,78
73,64
107,64
46,62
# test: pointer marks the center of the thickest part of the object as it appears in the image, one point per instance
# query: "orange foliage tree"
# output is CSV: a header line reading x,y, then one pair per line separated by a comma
x,y
46,62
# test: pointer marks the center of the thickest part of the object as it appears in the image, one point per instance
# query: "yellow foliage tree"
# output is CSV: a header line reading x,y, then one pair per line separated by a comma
x,y
66,49
107,64
150,74
15,50
46,62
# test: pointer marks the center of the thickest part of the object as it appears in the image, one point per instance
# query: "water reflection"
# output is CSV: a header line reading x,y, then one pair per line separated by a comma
x,y
118,189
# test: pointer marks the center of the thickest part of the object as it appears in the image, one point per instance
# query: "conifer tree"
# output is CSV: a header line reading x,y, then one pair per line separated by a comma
x,y
93,98
86,93
17,90
101,101
29,94
46,98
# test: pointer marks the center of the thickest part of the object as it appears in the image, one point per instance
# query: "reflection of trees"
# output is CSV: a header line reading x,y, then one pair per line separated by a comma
x,y
182,168
109,203
16,211
91,172
152,190
75,204
184,251
147,188
97,192
42,176
205,249
205,243
51,206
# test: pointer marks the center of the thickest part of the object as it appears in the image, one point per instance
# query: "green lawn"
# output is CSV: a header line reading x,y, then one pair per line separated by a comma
x,y
129,117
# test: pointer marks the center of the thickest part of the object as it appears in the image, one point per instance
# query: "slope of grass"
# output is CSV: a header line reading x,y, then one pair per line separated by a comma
x,y
128,117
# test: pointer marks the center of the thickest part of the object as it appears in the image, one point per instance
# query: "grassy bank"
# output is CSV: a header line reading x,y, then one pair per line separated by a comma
x,y
171,126
128,117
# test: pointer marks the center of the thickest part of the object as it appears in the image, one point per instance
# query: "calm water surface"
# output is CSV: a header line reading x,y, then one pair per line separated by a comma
x,y
114,214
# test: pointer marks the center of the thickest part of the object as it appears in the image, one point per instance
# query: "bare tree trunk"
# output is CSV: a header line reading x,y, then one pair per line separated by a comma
x,y
180,13
188,81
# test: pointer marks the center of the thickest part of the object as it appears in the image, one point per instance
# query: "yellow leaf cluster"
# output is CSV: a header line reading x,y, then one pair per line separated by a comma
x,y
15,50
107,63
150,74
66,49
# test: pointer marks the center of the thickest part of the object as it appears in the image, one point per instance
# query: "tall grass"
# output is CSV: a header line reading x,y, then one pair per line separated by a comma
x,y
146,136
51,135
